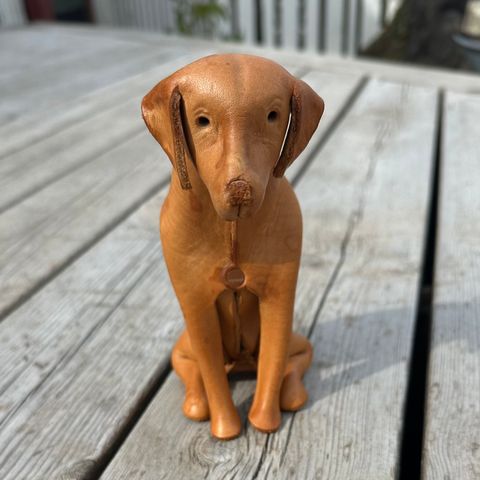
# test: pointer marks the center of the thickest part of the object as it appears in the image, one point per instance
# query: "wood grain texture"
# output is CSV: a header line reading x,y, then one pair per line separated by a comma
x,y
452,439
81,354
35,338
46,231
30,48
41,86
364,218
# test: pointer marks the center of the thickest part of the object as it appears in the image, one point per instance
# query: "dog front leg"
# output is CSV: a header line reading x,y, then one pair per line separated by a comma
x,y
276,314
205,337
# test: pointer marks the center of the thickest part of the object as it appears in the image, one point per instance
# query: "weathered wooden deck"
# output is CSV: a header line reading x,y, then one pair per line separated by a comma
x,y
88,317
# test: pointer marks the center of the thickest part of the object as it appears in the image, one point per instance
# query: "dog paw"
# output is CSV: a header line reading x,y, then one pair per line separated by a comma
x,y
195,407
267,420
293,395
226,427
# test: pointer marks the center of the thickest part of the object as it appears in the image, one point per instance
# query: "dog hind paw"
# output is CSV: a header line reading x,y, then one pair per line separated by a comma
x,y
293,394
195,407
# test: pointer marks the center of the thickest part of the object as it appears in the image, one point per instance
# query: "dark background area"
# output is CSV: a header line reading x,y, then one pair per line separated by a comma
x,y
61,10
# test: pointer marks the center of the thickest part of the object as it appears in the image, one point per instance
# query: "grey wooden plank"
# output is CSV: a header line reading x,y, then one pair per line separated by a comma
x,y
452,438
339,89
27,171
37,336
29,50
73,62
53,85
99,123
118,288
35,126
46,231
364,203
73,354
31,39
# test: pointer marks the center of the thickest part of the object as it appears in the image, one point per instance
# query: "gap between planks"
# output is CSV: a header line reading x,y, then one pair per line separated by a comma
x,y
415,407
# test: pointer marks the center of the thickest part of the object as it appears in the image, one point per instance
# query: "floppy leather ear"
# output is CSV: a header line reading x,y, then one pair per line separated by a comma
x,y
162,113
306,109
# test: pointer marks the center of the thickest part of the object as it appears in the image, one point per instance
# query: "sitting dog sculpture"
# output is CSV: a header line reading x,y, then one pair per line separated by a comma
x,y
231,231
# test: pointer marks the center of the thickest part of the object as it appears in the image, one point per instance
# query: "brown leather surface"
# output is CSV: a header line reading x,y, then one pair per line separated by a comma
x,y
231,230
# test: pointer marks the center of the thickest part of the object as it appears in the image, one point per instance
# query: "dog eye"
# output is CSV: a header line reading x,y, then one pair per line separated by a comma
x,y
203,121
272,116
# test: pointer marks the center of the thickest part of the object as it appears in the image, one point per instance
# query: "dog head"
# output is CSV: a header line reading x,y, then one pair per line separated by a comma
x,y
237,120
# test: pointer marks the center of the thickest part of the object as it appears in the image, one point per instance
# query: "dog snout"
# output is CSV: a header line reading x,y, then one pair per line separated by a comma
x,y
239,192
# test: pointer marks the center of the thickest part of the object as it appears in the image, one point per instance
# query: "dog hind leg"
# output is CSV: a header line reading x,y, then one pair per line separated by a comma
x,y
195,405
293,394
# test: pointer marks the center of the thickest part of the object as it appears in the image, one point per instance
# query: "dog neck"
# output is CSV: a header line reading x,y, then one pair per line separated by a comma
x,y
194,211
233,276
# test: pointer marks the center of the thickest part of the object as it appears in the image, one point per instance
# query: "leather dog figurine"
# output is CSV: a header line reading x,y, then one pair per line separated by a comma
x,y
231,231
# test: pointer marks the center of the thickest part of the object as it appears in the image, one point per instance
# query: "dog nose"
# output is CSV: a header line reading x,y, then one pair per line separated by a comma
x,y
239,192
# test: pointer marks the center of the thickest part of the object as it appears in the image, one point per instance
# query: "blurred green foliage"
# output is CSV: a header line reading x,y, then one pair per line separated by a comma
x,y
199,17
